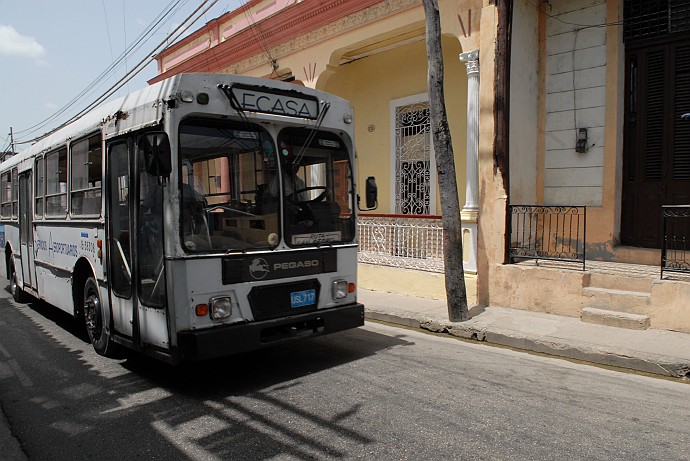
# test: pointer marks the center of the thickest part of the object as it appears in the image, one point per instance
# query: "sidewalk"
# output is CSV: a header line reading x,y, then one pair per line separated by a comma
x,y
652,351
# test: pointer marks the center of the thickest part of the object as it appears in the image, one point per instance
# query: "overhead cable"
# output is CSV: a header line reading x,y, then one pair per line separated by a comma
x,y
173,7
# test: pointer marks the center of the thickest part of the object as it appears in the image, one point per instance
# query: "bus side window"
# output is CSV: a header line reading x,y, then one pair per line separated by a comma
x,y
39,191
56,183
6,190
86,170
15,194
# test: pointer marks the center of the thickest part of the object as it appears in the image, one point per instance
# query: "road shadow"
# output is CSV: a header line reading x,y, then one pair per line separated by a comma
x,y
298,400
291,358
267,367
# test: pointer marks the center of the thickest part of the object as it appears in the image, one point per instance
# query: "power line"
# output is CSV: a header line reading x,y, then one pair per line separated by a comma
x,y
107,29
136,69
99,80
7,145
124,28
260,39
168,12
211,47
140,66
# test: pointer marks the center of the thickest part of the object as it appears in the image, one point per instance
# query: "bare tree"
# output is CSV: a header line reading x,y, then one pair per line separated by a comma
x,y
456,292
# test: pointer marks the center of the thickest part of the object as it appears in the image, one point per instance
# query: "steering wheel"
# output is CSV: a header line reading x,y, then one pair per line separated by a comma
x,y
324,193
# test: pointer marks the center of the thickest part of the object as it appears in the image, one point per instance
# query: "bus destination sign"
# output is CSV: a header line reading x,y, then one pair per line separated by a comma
x,y
290,104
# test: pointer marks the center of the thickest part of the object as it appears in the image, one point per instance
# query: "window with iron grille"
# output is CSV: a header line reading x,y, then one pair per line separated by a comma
x,y
646,19
413,159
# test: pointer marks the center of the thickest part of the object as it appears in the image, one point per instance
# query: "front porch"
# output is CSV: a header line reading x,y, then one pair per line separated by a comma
x,y
609,293
556,269
403,254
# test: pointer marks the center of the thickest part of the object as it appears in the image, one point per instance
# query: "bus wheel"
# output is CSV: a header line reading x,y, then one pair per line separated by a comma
x,y
17,292
93,315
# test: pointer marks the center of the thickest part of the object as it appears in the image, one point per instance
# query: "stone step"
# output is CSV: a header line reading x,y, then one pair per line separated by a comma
x,y
614,318
633,302
625,282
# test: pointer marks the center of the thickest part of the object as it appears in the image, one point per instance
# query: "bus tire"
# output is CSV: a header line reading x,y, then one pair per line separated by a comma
x,y
17,293
94,317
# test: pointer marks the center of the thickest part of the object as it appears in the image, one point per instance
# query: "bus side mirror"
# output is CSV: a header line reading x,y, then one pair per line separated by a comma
x,y
157,155
370,195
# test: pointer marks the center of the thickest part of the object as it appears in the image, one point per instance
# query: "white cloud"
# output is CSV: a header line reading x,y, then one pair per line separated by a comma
x,y
14,44
51,106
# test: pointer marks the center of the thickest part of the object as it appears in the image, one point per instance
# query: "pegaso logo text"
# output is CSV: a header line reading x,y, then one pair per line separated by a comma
x,y
296,264
258,269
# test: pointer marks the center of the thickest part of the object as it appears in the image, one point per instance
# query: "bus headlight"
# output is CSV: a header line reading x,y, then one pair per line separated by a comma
x,y
339,289
220,307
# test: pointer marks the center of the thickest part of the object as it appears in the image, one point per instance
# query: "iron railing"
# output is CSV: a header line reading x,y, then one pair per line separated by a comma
x,y
405,241
546,232
675,247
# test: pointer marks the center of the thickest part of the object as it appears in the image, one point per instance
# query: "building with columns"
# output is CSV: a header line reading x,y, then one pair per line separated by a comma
x,y
372,53
566,125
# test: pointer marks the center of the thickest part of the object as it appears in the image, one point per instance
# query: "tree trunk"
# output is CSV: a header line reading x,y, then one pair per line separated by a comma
x,y
456,293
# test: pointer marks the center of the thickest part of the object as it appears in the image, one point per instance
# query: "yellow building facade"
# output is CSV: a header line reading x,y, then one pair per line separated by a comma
x,y
372,53
565,119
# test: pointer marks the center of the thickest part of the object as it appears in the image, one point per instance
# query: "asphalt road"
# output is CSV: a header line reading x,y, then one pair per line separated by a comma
x,y
376,393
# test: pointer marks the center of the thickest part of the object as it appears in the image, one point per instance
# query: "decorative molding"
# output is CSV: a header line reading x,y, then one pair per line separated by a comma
x,y
466,32
471,60
321,20
309,72
339,26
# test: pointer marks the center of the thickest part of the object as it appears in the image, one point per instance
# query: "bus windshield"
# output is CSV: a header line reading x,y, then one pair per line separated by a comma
x,y
317,187
223,171
231,178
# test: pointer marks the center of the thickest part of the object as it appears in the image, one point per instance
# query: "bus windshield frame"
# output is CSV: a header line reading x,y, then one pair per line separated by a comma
x,y
232,178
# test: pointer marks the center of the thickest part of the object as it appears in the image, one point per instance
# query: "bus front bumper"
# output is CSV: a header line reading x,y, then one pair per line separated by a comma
x,y
226,340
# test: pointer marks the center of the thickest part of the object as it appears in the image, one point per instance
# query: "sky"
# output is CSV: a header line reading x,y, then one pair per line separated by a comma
x,y
51,51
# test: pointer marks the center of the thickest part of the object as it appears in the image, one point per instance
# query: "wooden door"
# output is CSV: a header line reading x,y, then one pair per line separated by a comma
x,y
656,166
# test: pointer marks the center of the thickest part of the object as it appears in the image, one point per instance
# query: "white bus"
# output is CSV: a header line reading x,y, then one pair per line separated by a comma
x,y
202,216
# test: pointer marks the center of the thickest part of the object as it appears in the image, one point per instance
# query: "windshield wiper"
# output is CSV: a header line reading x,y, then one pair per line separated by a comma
x,y
312,133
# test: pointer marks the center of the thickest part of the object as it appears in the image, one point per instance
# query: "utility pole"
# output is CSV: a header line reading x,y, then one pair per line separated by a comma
x,y
456,292
11,141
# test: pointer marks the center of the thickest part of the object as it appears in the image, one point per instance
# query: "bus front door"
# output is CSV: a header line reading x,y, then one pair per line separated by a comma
x,y
119,213
26,233
135,241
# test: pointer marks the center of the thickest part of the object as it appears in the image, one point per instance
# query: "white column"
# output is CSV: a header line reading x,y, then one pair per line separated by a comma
x,y
471,208
471,60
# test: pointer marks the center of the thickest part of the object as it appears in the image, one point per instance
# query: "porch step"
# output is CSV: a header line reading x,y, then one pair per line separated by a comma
x,y
614,318
617,300
623,281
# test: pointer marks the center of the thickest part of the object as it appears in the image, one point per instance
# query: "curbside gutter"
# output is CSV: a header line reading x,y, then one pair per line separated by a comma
x,y
478,329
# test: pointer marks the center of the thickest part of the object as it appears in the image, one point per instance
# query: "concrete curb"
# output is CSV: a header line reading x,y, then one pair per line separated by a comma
x,y
570,349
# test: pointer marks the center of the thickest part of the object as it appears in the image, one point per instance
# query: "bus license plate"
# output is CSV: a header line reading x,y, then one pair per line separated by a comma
x,y
303,298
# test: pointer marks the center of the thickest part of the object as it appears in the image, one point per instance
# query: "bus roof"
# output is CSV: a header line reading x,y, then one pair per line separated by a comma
x,y
145,107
